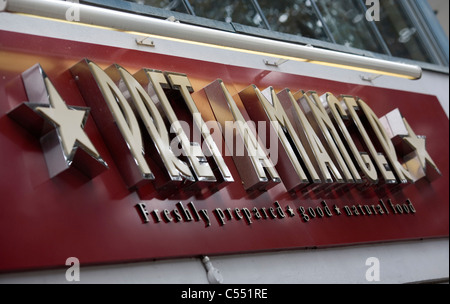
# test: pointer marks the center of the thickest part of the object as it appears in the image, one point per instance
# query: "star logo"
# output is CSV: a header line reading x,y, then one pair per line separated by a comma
x,y
69,122
418,144
419,155
411,147
337,210
60,127
290,211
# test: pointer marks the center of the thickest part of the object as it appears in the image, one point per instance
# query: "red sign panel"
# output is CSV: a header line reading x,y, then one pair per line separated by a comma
x,y
110,216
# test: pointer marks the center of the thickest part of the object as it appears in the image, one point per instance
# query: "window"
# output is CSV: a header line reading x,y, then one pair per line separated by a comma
x,y
171,5
348,25
400,33
406,30
297,17
243,12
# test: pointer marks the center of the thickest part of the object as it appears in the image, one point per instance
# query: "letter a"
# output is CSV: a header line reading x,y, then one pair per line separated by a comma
x,y
73,272
373,272
373,12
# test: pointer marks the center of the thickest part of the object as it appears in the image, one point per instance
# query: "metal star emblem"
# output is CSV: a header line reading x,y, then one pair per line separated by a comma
x,y
69,122
417,143
59,127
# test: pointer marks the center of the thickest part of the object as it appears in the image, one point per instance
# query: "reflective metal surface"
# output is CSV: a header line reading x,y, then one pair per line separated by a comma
x,y
146,107
265,106
60,143
254,162
181,82
115,120
155,81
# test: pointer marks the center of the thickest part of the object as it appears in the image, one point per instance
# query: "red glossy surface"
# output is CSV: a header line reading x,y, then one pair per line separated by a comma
x,y
44,221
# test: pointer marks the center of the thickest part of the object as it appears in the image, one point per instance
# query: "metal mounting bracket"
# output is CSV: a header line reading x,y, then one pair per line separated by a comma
x,y
145,41
275,63
213,274
370,78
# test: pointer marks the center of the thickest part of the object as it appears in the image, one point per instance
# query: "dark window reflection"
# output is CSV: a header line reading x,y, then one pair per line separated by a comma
x,y
399,33
348,25
296,17
241,11
172,5
344,21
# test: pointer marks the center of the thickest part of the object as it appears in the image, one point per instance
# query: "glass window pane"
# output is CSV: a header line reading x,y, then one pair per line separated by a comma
x,y
348,24
172,5
296,17
399,32
242,11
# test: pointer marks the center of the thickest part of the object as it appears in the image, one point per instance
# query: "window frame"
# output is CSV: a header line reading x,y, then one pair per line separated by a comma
x,y
419,12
